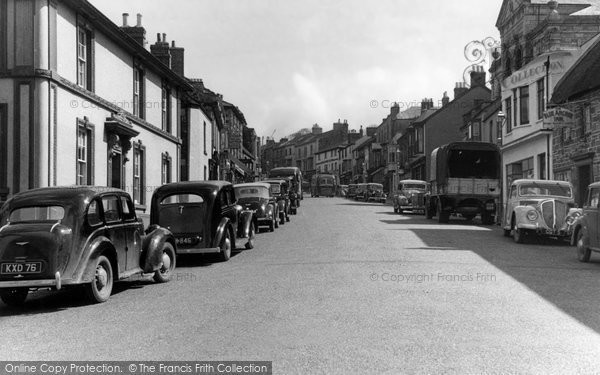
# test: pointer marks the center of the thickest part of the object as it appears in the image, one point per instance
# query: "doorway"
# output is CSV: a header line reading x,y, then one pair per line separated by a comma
x,y
584,179
116,170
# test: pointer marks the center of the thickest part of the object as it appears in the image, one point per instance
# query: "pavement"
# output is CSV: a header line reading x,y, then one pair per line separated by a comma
x,y
344,288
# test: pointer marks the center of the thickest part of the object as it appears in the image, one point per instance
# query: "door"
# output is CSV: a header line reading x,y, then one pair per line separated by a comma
x,y
116,170
133,237
113,218
590,209
584,179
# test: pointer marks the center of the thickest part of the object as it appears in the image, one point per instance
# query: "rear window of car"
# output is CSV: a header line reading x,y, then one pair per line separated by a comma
x,y
275,189
182,198
251,192
37,213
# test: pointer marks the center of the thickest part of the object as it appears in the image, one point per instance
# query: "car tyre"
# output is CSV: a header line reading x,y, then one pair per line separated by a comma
x,y
518,234
583,251
14,297
100,289
226,246
251,237
272,225
169,258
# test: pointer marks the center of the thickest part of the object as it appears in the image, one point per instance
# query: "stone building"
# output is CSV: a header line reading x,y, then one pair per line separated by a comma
x,y
575,117
540,40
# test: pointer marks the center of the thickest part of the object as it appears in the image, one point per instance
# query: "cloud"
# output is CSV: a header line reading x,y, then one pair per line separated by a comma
x,y
309,96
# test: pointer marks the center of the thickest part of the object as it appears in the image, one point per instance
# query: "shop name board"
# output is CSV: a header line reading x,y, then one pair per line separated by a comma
x,y
535,72
558,117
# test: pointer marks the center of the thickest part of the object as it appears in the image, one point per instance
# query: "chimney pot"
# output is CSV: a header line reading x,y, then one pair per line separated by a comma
x,y
139,20
125,19
173,44
158,37
164,39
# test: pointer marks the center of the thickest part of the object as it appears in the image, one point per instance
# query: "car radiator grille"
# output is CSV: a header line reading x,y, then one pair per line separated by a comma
x,y
554,213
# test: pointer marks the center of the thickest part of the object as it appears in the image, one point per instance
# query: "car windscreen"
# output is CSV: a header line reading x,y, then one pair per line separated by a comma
x,y
275,189
411,186
473,164
251,192
182,213
541,189
37,213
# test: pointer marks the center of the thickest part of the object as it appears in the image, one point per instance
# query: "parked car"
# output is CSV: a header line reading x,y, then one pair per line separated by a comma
x,y
410,196
538,207
375,193
586,224
64,236
361,192
352,191
256,197
279,189
204,217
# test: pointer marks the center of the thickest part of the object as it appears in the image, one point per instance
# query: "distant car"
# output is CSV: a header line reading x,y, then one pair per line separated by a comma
x,y
361,192
279,189
204,217
63,236
539,207
375,193
352,191
410,196
256,197
586,225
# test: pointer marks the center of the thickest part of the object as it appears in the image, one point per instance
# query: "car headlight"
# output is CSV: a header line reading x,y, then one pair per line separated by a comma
x,y
532,215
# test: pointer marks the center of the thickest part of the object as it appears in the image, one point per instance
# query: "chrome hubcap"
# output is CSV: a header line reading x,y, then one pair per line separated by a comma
x,y
101,277
166,263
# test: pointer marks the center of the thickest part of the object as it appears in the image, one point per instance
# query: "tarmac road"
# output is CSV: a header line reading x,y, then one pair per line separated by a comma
x,y
345,287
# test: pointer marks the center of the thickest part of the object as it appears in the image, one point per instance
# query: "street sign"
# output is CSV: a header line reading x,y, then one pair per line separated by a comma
x,y
559,117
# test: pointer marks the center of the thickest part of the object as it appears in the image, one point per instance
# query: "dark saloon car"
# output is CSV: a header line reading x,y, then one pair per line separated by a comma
x,y
256,197
63,236
204,217
586,223
279,189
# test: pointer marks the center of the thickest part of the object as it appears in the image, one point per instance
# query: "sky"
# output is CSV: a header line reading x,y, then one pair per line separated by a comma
x,y
290,64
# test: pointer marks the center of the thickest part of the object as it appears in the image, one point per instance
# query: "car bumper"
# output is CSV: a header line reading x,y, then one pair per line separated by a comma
x,y
195,250
56,283
545,231
413,208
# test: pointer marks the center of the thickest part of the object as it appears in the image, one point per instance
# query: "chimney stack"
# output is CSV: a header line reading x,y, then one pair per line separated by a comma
x,y
445,99
161,49
460,89
478,76
426,104
316,129
395,110
177,59
137,32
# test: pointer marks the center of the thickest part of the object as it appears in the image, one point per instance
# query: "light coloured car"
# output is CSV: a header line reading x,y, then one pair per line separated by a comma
x,y
538,207
410,196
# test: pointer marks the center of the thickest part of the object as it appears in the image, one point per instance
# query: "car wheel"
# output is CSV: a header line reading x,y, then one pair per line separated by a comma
x,y
14,297
518,234
226,246
287,217
100,289
272,225
163,274
583,251
276,221
251,237
281,218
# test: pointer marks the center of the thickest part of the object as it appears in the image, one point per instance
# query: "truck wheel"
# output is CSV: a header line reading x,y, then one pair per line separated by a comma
x,y
443,217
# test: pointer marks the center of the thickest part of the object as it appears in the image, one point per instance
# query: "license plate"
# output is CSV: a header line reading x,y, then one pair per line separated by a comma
x,y
187,241
21,268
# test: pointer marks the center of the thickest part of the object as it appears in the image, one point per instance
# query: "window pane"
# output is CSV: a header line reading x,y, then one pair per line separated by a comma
x,y
111,209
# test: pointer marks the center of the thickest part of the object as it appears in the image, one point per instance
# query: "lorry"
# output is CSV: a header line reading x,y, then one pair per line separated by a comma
x,y
323,185
465,180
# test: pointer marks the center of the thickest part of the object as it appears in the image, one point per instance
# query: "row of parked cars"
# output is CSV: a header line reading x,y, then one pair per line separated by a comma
x,y
366,192
57,237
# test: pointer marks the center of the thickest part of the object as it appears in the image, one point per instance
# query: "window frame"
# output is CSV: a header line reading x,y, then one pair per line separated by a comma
x,y
139,152
85,127
139,92
524,105
85,75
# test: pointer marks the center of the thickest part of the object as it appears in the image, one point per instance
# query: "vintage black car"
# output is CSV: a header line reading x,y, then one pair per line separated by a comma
x,y
204,217
279,189
256,197
64,236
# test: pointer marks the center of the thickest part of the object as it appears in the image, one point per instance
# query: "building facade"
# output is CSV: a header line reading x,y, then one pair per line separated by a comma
x,y
82,102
